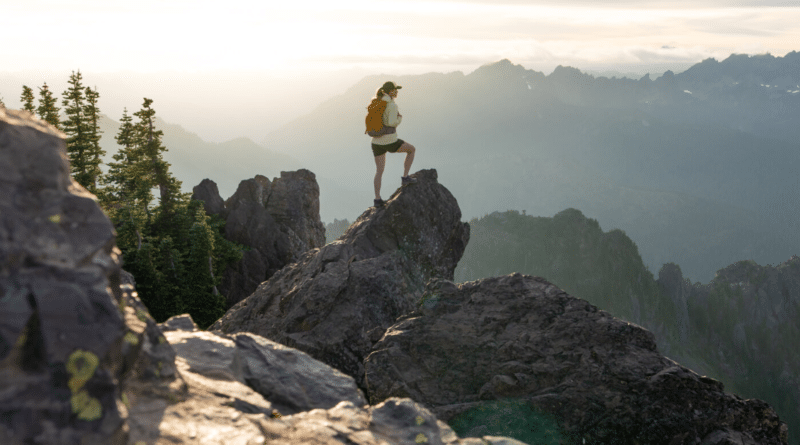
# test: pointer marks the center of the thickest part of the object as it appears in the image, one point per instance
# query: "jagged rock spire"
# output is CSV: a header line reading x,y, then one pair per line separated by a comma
x,y
336,301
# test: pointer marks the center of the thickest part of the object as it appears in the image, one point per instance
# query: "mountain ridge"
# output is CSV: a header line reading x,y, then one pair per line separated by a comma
x,y
510,138
193,159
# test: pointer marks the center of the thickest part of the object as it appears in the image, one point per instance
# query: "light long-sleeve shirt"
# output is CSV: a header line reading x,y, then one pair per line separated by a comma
x,y
391,118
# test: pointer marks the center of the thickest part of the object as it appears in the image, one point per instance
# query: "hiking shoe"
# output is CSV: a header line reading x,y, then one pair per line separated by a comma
x,y
407,180
379,202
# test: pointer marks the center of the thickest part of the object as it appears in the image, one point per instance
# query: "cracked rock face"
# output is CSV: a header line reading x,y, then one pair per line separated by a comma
x,y
64,342
336,301
243,389
277,220
520,337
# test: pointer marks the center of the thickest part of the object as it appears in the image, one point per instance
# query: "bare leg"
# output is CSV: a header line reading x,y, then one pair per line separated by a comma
x,y
409,150
380,162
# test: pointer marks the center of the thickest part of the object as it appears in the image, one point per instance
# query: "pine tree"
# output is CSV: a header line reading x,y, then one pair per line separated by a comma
x,y
76,129
203,300
27,99
47,109
91,115
174,250
126,195
152,149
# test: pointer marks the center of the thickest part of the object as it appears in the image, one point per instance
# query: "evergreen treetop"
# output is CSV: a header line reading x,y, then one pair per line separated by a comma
x,y
47,109
126,195
27,99
75,127
149,139
91,114
83,133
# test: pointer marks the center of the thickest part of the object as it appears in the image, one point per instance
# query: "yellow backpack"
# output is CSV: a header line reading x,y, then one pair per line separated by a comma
x,y
374,119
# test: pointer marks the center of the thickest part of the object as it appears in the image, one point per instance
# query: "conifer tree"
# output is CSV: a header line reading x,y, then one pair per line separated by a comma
x,y
2,104
27,99
91,114
47,109
77,131
174,250
152,149
126,195
203,300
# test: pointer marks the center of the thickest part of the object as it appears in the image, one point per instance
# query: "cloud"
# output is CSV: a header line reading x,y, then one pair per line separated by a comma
x,y
422,34
672,4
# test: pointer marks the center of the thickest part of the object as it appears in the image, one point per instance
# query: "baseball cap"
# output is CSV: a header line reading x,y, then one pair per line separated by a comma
x,y
389,86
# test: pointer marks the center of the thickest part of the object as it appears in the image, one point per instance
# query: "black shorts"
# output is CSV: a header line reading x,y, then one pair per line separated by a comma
x,y
378,150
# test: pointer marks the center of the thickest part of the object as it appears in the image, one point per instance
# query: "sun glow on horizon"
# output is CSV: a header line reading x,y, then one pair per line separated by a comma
x,y
150,36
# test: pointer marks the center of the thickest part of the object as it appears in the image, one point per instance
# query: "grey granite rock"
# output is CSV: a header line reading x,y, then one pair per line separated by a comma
x,y
181,322
278,221
64,343
520,337
244,389
291,380
336,301
208,192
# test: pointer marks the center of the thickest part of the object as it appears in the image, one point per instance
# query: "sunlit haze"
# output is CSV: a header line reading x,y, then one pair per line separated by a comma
x,y
258,58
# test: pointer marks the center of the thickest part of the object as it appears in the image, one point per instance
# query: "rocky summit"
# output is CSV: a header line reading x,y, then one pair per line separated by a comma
x,y
336,301
521,338
275,220
83,362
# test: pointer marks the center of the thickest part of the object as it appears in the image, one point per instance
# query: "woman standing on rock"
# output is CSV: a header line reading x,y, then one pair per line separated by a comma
x,y
388,141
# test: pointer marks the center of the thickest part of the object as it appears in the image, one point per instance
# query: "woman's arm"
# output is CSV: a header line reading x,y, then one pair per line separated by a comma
x,y
393,117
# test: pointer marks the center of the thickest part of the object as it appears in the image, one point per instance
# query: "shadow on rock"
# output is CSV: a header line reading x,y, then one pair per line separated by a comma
x,y
336,301
277,221
522,340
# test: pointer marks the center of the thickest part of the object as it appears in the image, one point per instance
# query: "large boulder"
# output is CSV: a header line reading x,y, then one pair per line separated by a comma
x,y
291,380
64,342
277,221
336,301
244,389
521,338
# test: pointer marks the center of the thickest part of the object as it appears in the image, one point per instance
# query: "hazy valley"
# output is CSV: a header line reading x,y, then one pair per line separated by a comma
x,y
698,168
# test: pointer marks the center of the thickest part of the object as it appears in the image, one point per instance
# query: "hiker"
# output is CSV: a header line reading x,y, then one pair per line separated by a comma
x,y
385,139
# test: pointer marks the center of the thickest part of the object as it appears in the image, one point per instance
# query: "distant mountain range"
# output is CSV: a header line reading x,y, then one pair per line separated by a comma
x,y
742,327
193,159
698,168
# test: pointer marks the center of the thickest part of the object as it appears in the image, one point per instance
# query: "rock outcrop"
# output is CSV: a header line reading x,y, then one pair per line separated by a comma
x,y
744,328
244,389
336,301
63,340
75,340
520,337
278,221
83,362
286,377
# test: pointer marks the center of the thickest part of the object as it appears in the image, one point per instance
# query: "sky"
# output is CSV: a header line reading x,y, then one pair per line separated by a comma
x,y
273,52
